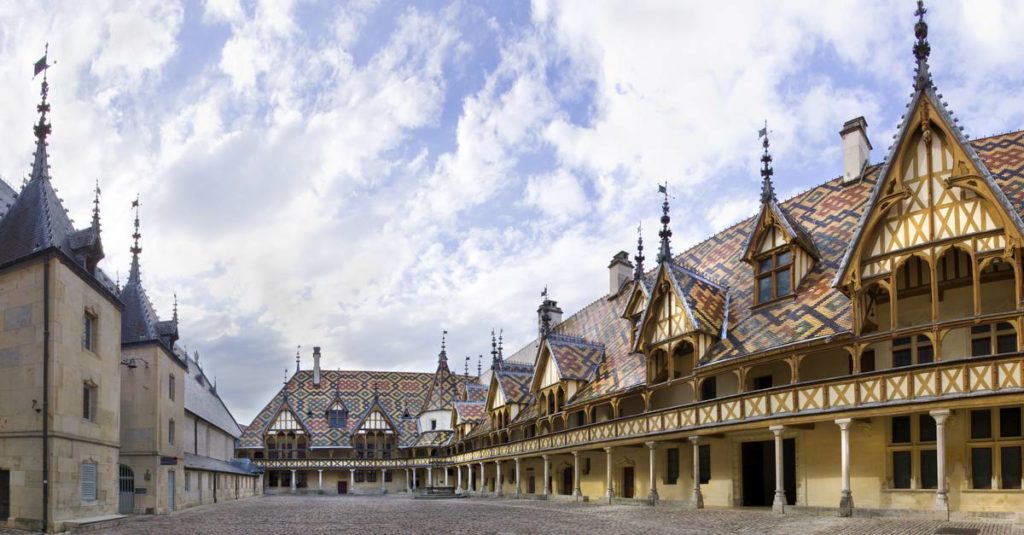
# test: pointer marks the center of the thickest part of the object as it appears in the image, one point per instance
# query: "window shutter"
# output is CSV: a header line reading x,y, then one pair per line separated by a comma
x,y
87,482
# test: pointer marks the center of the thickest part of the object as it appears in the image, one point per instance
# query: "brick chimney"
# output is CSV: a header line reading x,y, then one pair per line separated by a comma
x,y
316,366
856,149
620,270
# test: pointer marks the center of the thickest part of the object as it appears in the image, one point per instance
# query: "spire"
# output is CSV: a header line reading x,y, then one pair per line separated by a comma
x,y
494,350
665,254
40,167
639,258
175,317
465,368
501,335
136,249
767,188
442,357
96,208
297,349
922,78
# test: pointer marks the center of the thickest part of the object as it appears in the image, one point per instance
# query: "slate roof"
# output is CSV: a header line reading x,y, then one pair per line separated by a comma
x,y
397,392
209,464
7,197
139,321
201,398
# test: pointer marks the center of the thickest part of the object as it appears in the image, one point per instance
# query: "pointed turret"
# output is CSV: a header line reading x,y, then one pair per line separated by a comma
x,y
139,321
442,357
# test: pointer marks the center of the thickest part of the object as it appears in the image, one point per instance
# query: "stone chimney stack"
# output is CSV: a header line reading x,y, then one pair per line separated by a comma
x,y
548,315
316,366
620,270
856,149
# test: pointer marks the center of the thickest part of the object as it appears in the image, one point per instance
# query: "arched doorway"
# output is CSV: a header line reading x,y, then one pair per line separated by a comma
x,y
126,490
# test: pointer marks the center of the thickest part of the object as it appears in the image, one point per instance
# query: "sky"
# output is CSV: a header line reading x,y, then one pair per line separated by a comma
x,y
361,175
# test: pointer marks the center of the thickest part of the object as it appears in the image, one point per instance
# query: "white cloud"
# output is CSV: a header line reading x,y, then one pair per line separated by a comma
x,y
558,196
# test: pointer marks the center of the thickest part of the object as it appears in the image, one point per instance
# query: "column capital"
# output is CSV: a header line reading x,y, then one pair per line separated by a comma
x,y
777,429
575,453
940,415
607,449
497,462
844,423
651,444
545,456
695,440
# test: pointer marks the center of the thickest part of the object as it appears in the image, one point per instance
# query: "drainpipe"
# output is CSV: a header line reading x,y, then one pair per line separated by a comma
x,y
46,392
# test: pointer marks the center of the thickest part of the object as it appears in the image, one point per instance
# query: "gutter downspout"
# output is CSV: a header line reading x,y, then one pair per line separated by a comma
x,y
46,392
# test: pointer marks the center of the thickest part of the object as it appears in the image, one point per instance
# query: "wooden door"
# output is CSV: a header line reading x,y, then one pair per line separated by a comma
x,y
343,487
627,482
567,481
5,495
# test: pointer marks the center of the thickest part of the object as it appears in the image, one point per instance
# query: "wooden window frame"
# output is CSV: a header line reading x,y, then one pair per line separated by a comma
x,y
914,447
994,332
995,444
771,272
89,323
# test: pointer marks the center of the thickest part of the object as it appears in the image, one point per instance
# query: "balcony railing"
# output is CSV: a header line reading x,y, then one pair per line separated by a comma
x,y
936,381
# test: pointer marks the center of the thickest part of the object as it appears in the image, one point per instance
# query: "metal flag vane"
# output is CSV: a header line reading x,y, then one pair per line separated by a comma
x,y
43,128
665,254
544,293
767,188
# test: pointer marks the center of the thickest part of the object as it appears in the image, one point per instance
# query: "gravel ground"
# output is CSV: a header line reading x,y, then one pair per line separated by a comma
x,y
401,514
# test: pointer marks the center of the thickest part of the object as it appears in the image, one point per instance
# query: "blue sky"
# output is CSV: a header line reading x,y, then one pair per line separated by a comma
x,y
361,175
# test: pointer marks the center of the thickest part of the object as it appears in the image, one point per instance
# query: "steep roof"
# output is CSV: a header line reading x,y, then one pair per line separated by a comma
x,y
469,411
202,399
514,381
397,393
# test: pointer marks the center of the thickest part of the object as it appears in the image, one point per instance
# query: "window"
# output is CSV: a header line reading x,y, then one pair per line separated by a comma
x,y
87,482
371,476
336,416
671,466
995,450
89,402
774,275
908,350
984,338
170,432
911,438
704,460
88,331
188,482
360,476
433,424
170,387
387,476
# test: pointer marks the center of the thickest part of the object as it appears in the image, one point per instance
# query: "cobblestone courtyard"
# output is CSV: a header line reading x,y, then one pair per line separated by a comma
x,y
401,514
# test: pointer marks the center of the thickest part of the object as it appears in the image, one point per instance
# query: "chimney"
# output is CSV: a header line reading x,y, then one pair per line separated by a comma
x,y
856,149
620,270
548,315
316,366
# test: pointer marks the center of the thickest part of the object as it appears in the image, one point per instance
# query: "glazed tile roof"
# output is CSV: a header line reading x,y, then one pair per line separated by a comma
x,y
475,392
469,411
433,439
398,393
576,357
705,301
514,381
445,389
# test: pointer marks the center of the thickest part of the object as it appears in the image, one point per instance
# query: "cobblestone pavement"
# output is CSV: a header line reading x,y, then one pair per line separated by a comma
x,y
401,514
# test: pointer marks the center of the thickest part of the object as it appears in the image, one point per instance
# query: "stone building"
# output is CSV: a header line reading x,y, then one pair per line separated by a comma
x,y
856,348
60,390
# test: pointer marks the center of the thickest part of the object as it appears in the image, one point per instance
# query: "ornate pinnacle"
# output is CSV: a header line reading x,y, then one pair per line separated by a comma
x,y
42,128
767,188
175,316
136,249
442,357
638,273
665,254
297,348
96,208
501,335
923,78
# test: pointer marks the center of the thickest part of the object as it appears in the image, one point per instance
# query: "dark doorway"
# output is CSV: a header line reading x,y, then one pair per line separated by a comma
x,y
759,472
531,485
627,482
5,495
343,487
567,480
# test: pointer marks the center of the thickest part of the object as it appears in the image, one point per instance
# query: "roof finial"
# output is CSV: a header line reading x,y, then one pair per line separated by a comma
x,y
96,208
197,357
665,254
297,357
479,360
922,78
175,317
465,369
40,167
494,350
501,341
136,249
639,258
767,188
442,357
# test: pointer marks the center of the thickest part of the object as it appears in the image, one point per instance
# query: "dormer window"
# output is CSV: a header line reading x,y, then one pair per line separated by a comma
x,y
336,417
774,275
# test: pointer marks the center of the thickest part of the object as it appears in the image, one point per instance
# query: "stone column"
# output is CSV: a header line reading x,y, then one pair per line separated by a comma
x,y
698,498
483,478
941,497
415,484
469,473
497,479
519,488
408,480
576,475
458,479
652,494
846,498
293,480
547,472
383,487
779,504
609,485
430,476
320,480
445,476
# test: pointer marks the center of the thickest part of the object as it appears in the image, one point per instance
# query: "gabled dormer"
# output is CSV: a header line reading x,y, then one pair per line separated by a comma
x,y
286,436
778,249
564,365
639,291
936,228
